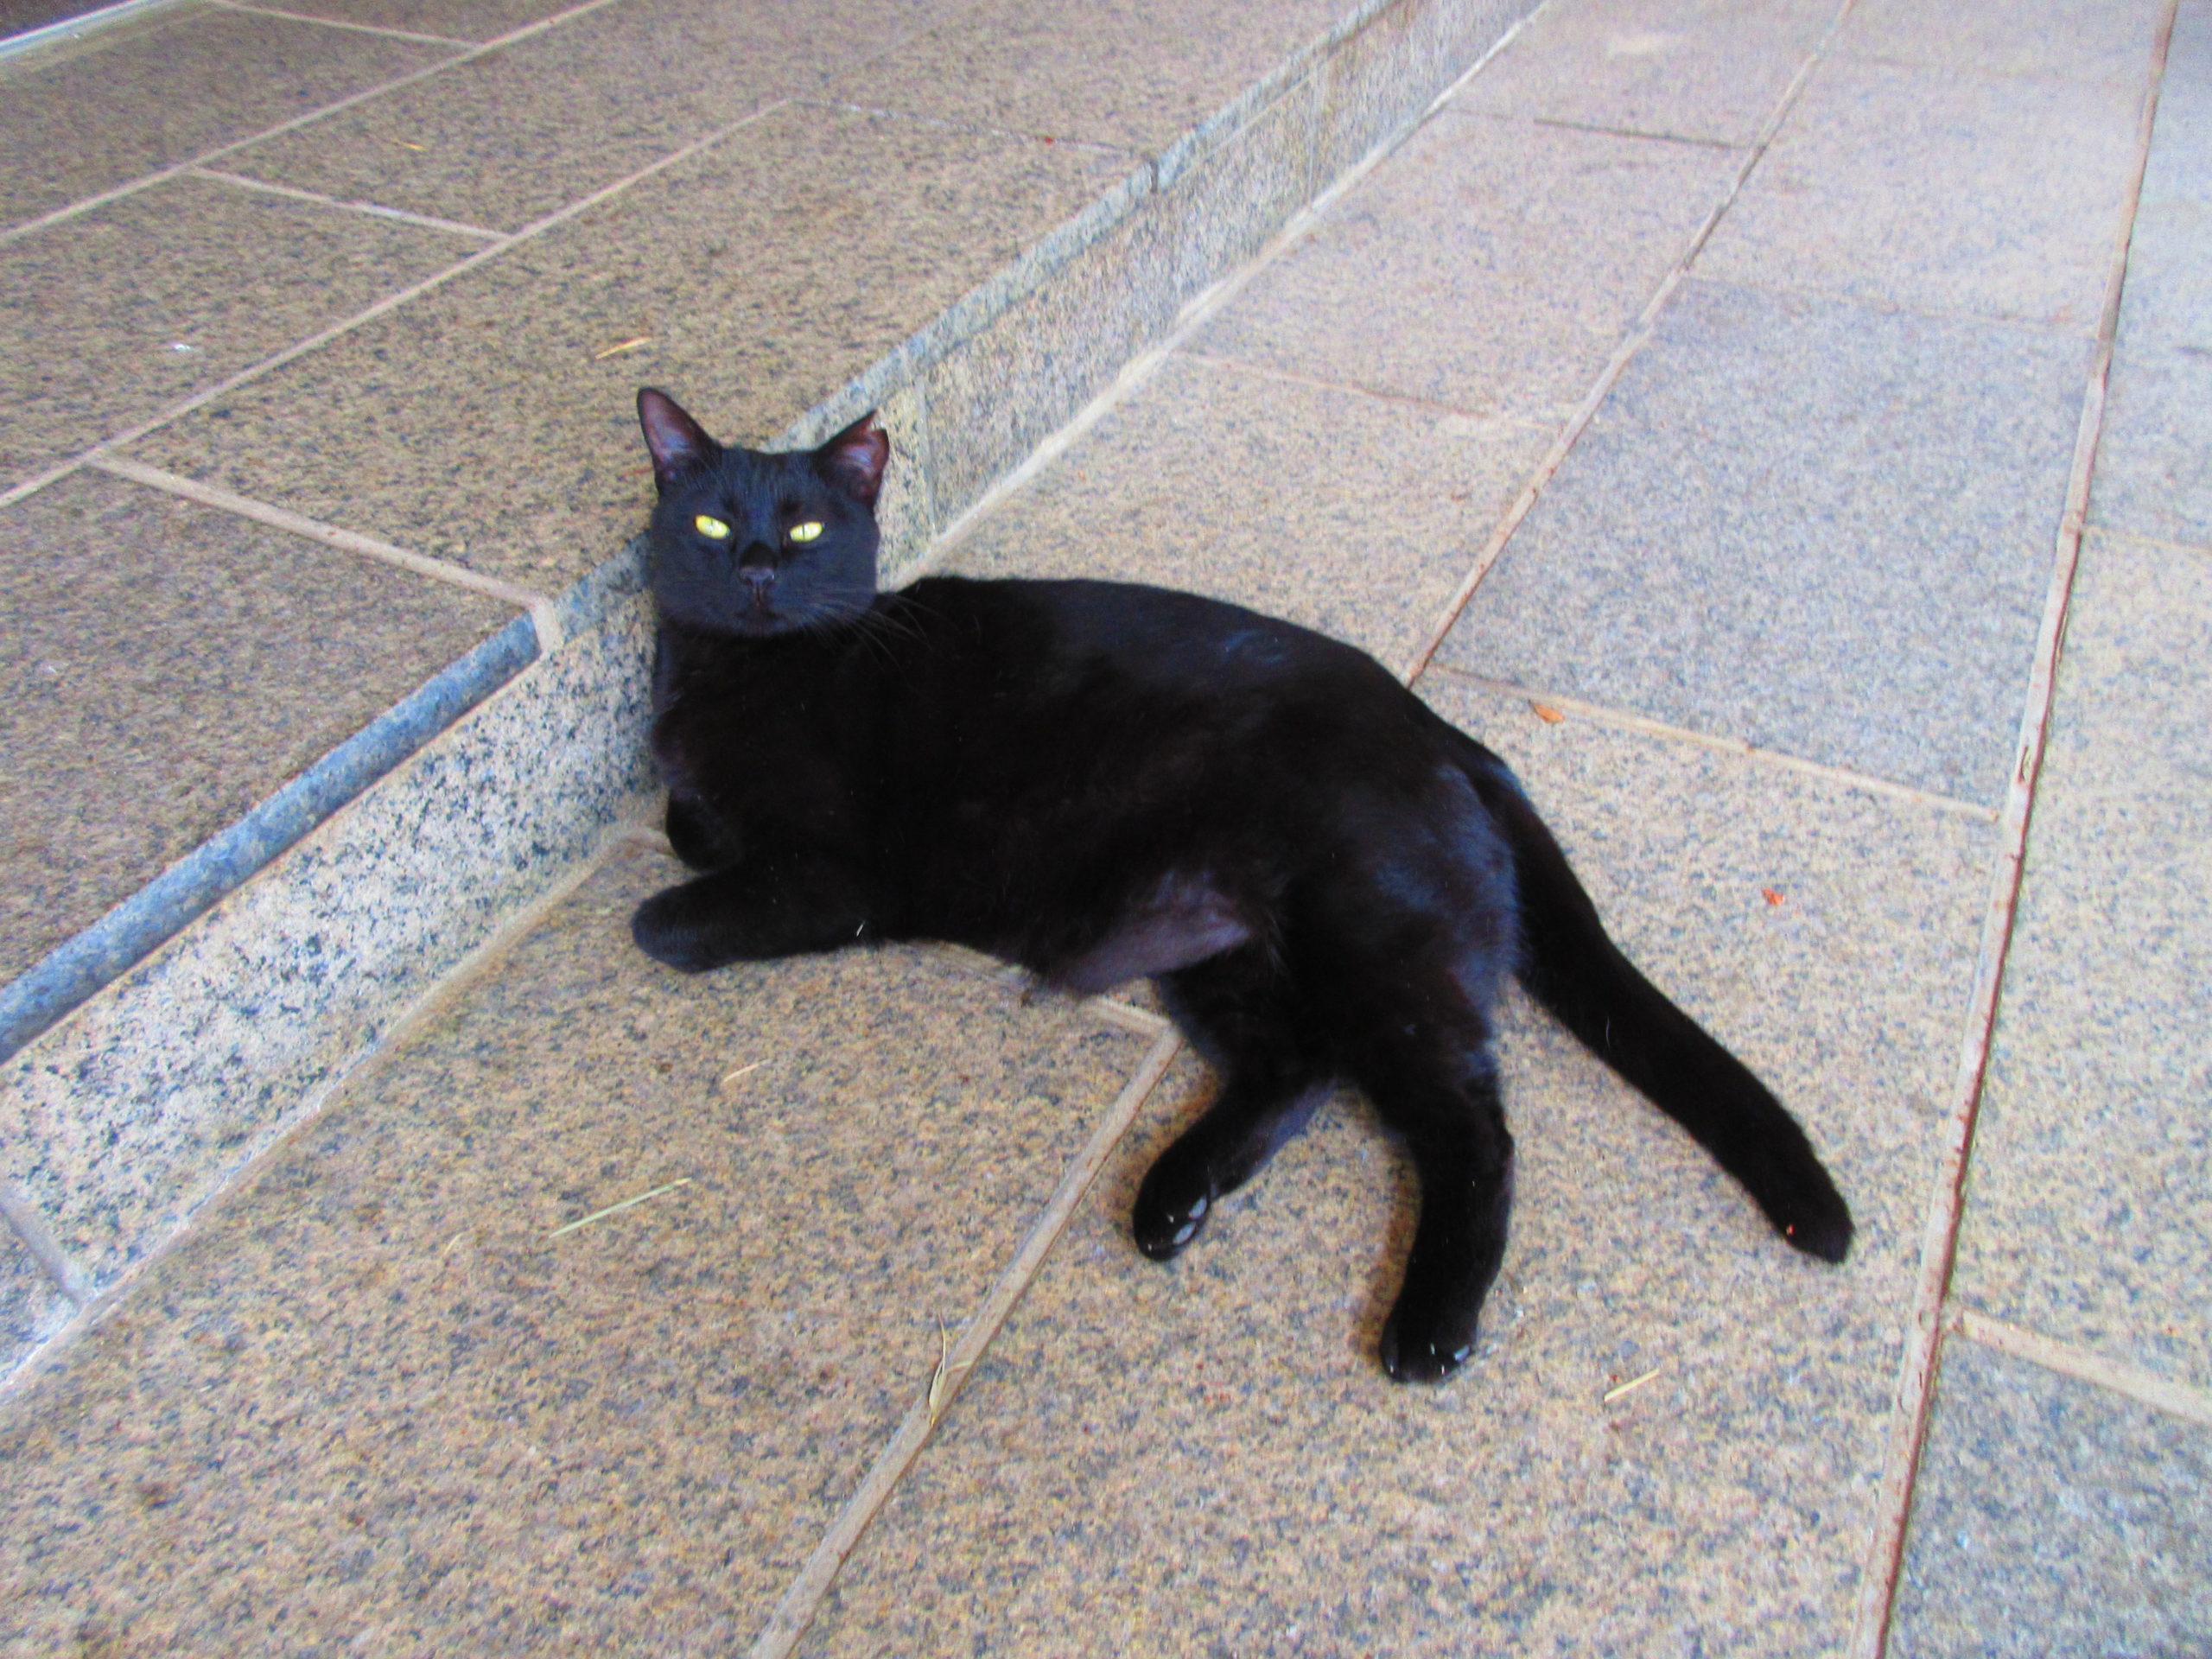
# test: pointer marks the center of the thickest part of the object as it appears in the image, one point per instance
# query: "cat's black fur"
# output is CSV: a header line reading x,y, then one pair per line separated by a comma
x,y
1099,782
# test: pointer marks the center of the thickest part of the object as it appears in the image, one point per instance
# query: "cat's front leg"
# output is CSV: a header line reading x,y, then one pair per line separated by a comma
x,y
698,838
762,908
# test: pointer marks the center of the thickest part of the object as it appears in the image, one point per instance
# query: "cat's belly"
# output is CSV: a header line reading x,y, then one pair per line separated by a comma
x,y
1185,920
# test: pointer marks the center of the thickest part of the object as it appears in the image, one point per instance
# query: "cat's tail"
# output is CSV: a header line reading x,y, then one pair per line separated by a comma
x,y
1571,966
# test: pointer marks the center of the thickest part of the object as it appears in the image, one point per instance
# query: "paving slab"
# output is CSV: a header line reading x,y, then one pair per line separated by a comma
x,y
1819,528
2154,458
371,1399
137,97
500,406
465,19
509,137
1492,266
2107,41
1265,490
108,317
1712,72
1015,67
32,1307
121,1121
168,667
1205,1456
2052,1516
1941,191
2089,1203
2167,300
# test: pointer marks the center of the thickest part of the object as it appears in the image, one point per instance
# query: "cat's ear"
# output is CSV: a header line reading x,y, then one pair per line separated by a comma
x,y
856,457
677,440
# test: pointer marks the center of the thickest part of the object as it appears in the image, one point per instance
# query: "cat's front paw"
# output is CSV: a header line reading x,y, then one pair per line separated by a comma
x,y
666,929
1171,1205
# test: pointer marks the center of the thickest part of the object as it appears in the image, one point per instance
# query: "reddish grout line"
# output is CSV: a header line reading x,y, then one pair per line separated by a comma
x,y
292,192
163,175
335,22
1638,336
1645,726
1940,1234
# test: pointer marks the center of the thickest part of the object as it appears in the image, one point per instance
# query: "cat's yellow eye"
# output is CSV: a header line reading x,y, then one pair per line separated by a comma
x,y
806,532
708,525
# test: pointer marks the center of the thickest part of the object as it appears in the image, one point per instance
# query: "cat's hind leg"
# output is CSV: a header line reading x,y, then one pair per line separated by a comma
x,y
1237,1008
764,907
1400,948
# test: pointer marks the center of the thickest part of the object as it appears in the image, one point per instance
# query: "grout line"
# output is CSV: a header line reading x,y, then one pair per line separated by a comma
x,y
243,182
1493,417
1638,336
333,23
21,1214
100,452
2155,543
1628,720
1195,313
543,613
1637,133
942,124
38,481
802,1598
163,174
75,28
434,1001
2147,1387
1939,1244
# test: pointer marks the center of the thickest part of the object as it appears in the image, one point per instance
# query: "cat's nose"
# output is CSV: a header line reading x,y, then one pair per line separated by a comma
x,y
758,579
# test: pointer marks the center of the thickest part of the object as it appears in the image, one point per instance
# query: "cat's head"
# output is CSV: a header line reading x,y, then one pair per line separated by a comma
x,y
750,542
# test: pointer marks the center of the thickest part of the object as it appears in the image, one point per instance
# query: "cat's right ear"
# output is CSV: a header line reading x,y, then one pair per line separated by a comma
x,y
677,443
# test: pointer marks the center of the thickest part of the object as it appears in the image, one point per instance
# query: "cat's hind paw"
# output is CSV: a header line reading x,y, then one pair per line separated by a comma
x,y
1171,1207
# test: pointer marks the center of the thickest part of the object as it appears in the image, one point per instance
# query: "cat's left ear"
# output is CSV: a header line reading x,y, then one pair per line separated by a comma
x,y
856,457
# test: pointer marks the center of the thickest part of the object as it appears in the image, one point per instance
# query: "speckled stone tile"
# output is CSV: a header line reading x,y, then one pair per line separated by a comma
x,y
2053,1517
107,317
463,20
370,1399
125,1117
507,137
2076,40
504,441
2168,297
1491,265
1386,75
32,1307
1264,490
2089,1205
1710,70
1155,1459
168,665
995,396
1017,67
137,97
2154,455
1941,191
1823,528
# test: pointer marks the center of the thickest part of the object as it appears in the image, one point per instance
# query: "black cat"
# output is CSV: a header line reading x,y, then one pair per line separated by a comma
x,y
1101,781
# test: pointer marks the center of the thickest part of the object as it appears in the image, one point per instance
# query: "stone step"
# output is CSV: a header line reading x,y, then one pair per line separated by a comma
x,y
203,1003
